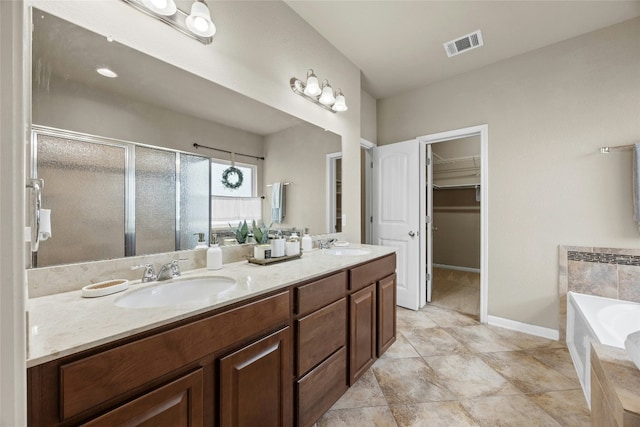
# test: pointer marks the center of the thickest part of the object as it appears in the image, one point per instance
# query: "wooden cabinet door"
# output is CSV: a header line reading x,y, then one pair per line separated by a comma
x,y
179,403
256,384
386,313
362,325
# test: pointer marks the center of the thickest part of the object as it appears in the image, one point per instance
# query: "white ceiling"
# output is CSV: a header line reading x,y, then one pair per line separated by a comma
x,y
398,44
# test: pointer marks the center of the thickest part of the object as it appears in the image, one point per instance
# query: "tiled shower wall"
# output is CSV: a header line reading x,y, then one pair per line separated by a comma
x,y
605,272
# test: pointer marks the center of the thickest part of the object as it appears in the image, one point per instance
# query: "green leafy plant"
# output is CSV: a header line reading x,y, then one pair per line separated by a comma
x,y
240,233
261,234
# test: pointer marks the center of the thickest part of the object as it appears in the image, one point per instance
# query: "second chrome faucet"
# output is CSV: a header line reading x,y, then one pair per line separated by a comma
x,y
168,271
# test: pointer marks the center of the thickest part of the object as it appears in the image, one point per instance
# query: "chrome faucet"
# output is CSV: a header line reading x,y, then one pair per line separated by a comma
x,y
149,274
170,270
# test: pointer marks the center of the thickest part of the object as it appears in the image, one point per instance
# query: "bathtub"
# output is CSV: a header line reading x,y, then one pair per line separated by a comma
x,y
602,320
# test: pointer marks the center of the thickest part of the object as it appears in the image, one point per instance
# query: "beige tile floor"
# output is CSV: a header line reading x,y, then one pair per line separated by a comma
x,y
446,369
456,290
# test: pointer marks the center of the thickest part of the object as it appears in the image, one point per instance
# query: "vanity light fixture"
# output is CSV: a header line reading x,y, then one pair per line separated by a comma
x,y
197,24
319,95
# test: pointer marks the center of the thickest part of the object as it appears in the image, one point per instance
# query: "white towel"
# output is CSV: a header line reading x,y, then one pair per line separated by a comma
x,y
636,183
277,202
45,224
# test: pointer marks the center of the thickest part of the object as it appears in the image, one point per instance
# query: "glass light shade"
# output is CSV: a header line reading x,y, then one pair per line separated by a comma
x,y
340,104
199,21
313,87
161,7
327,97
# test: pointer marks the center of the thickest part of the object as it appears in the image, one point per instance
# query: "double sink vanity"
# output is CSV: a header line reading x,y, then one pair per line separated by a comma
x,y
262,346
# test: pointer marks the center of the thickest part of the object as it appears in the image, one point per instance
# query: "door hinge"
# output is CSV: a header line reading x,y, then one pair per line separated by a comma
x,y
428,219
371,165
428,161
428,277
371,219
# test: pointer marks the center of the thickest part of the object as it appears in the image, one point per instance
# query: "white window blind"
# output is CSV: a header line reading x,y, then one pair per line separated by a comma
x,y
231,210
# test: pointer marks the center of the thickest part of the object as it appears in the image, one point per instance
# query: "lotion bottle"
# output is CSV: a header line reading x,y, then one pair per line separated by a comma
x,y
307,244
214,255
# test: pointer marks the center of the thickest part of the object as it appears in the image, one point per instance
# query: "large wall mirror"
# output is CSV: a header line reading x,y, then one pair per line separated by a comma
x,y
121,173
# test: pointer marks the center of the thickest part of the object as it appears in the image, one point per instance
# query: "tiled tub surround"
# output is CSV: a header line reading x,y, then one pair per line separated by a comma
x,y
615,384
65,323
605,272
593,319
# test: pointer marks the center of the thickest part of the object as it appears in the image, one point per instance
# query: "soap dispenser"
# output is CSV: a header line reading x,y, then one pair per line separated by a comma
x,y
214,254
307,244
201,243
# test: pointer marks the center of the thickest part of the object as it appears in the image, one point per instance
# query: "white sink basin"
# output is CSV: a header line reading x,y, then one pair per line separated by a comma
x,y
347,251
176,292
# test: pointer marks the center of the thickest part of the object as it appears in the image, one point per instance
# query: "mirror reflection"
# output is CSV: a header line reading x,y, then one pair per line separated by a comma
x,y
122,175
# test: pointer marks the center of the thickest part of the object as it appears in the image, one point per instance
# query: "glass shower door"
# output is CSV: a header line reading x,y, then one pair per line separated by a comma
x,y
85,190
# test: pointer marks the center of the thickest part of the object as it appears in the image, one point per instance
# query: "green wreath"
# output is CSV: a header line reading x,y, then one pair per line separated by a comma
x,y
232,171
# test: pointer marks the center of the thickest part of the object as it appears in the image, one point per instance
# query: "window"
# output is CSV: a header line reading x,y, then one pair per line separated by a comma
x,y
248,187
229,205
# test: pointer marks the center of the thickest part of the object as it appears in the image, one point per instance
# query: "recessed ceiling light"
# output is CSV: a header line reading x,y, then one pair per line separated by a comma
x,y
107,72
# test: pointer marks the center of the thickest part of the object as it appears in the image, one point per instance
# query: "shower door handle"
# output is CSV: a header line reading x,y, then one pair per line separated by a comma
x,y
35,204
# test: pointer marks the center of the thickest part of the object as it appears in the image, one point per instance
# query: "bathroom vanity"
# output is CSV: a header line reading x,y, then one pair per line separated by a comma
x,y
280,350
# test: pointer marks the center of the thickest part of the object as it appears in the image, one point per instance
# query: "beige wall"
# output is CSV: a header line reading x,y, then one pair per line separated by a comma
x,y
548,113
258,47
298,155
72,106
368,117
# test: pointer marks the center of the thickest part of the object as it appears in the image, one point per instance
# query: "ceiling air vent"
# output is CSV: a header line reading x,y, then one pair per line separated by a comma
x,y
463,44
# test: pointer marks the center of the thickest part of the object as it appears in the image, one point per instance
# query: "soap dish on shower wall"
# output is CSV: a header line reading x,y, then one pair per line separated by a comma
x,y
105,288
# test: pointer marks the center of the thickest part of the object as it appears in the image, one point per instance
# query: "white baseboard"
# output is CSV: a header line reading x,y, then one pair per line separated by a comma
x,y
457,268
539,331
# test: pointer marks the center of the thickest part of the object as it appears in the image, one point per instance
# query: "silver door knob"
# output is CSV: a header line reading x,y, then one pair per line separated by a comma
x,y
411,233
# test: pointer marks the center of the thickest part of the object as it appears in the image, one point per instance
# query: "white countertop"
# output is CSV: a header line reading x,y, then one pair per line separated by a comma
x,y
65,323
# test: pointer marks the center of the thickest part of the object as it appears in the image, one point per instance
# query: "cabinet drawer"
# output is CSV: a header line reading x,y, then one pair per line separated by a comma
x,y
107,375
321,388
179,404
315,295
320,334
371,272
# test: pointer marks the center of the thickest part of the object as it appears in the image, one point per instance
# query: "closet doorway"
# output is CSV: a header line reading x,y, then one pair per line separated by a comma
x,y
454,230
455,185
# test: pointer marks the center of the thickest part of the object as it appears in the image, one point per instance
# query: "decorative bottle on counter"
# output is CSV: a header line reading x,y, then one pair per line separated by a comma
x,y
214,255
307,244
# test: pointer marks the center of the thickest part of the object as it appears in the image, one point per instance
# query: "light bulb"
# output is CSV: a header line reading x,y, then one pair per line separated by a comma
x,y
327,97
199,21
312,88
161,7
340,104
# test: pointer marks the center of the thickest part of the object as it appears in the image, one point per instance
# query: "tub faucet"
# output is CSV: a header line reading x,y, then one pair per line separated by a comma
x,y
170,270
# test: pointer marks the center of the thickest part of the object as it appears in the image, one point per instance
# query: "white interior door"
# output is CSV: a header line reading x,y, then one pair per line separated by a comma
x,y
396,207
429,222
